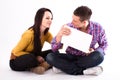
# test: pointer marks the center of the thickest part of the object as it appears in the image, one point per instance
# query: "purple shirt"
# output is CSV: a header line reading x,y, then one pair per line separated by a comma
x,y
99,37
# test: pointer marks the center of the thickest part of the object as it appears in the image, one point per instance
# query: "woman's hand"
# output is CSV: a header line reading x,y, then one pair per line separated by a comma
x,y
40,59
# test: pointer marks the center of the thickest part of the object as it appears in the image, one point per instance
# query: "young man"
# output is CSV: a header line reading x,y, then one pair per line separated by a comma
x,y
74,61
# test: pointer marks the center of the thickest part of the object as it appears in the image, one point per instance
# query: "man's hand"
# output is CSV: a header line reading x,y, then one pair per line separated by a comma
x,y
64,31
90,51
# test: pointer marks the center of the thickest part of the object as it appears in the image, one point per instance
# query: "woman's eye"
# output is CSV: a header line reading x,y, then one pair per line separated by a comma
x,y
47,18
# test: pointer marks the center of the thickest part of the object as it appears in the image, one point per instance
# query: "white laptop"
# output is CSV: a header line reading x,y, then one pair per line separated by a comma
x,y
77,39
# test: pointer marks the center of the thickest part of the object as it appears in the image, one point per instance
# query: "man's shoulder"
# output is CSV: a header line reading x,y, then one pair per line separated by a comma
x,y
95,24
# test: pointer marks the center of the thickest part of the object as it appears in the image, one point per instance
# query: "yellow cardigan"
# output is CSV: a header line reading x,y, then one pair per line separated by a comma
x,y
25,45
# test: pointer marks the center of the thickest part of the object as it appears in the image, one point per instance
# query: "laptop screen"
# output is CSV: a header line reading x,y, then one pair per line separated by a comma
x,y
78,40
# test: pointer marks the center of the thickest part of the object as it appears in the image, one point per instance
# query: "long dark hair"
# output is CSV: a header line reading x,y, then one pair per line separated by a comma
x,y
36,28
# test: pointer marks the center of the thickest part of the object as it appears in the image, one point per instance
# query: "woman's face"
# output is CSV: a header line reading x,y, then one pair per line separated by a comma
x,y
47,19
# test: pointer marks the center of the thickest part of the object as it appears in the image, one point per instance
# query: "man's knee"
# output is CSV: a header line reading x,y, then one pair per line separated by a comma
x,y
99,57
50,58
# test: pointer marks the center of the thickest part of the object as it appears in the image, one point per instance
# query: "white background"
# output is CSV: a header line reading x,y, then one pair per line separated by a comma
x,y
18,15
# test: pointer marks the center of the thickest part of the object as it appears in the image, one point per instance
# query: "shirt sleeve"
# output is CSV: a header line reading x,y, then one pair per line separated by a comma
x,y
56,46
102,41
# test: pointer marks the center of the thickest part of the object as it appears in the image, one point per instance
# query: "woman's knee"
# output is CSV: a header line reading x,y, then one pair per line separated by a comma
x,y
23,62
12,66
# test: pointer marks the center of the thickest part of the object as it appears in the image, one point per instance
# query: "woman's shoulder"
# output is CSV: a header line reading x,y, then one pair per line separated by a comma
x,y
49,34
28,33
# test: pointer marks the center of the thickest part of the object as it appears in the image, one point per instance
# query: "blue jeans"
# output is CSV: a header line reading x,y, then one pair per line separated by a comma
x,y
72,64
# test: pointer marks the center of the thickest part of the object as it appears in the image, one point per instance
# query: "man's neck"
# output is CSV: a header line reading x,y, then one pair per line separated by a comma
x,y
85,28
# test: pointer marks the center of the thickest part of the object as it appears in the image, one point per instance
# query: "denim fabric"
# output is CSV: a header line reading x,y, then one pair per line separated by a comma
x,y
72,64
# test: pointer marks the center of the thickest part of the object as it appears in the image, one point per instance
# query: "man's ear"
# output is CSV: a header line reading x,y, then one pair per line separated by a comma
x,y
86,22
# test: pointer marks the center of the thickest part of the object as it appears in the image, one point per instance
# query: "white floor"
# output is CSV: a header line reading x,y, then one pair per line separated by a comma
x,y
7,74
110,65
16,16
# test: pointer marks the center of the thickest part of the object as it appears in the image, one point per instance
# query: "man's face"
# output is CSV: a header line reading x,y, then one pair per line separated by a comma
x,y
76,22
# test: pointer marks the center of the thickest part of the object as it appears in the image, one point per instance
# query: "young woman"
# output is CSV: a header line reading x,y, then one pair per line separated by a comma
x,y
28,54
